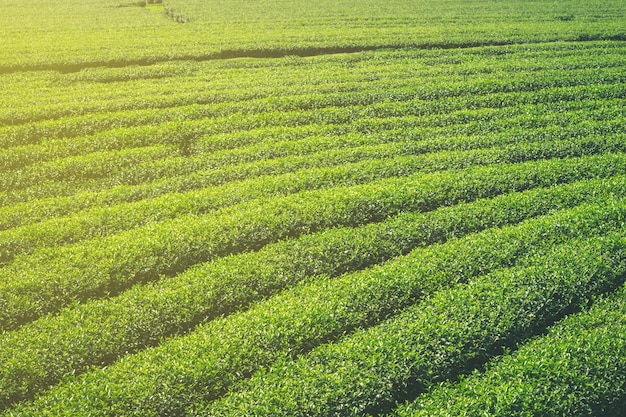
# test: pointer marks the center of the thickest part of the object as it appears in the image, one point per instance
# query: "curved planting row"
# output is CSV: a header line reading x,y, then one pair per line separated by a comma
x,y
111,220
55,347
447,335
82,168
381,104
183,374
565,370
417,141
463,94
162,131
332,235
68,181
332,77
51,278
139,82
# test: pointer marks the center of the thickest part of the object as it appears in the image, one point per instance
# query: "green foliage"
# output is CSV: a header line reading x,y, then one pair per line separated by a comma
x,y
61,34
453,331
102,222
201,366
376,203
130,321
577,369
49,279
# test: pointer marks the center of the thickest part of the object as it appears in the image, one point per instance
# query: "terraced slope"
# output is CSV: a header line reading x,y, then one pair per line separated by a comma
x,y
403,228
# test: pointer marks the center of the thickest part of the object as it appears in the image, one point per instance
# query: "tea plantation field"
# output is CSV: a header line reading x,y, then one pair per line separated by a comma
x,y
291,208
